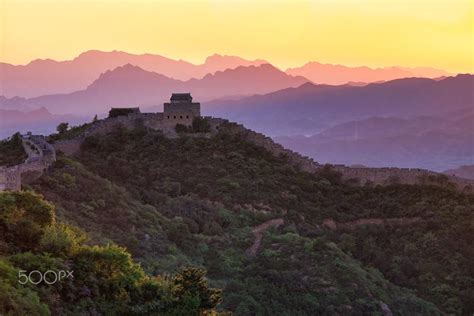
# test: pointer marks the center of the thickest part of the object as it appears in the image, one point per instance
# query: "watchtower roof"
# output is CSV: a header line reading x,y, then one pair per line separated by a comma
x,y
181,97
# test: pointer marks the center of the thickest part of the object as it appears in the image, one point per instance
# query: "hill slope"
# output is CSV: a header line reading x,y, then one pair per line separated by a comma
x,y
211,192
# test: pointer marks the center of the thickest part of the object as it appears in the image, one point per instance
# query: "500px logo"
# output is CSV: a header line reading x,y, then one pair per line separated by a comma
x,y
48,277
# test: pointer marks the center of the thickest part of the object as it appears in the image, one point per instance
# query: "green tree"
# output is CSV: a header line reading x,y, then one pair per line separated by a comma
x,y
192,289
23,219
62,128
17,300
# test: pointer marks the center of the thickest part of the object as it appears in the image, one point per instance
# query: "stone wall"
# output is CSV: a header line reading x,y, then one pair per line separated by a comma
x,y
401,175
304,163
68,147
10,178
374,175
156,121
39,159
192,109
101,127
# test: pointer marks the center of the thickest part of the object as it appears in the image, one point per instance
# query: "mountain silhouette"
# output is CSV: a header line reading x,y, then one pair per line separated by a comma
x,y
435,143
308,109
130,85
37,121
47,76
339,74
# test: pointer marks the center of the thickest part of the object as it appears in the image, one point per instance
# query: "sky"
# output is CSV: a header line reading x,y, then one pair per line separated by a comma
x,y
432,33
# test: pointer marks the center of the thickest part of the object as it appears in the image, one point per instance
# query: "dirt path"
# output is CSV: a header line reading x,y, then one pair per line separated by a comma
x,y
258,230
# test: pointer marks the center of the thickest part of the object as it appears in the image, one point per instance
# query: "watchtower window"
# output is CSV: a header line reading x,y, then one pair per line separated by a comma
x,y
174,116
187,116
168,117
180,116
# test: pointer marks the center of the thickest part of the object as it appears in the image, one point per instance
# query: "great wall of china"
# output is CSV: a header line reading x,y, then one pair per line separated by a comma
x,y
41,155
374,175
10,178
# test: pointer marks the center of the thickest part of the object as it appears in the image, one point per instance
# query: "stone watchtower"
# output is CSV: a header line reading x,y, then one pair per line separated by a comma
x,y
181,109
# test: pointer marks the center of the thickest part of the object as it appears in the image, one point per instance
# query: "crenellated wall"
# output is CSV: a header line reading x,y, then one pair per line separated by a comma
x,y
10,178
40,157
374,175
156,121
107,125
303,162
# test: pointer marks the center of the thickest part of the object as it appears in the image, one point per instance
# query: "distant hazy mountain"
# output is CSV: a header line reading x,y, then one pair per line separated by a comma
x,y
310,108
466,172
37,121
46,76
132,86
424,142
339,74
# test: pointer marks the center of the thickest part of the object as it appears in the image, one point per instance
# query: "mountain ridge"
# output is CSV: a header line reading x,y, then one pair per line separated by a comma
x,y
48,76
127,85
340,74
314,107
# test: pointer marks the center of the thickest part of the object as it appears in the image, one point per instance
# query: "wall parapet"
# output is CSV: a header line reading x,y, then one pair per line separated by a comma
x,y
385,175
40,157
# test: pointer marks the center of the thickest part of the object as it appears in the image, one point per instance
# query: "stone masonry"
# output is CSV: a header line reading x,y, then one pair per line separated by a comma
x,y
41,155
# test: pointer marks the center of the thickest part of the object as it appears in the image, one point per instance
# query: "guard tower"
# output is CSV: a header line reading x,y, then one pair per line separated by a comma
x,y
181,109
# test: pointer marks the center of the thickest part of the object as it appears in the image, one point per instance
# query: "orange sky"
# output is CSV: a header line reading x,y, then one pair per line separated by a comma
x,y
287,33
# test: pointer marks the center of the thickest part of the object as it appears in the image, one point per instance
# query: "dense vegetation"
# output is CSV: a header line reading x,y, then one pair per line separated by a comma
x,y
175,202
11,151
105,278
65,132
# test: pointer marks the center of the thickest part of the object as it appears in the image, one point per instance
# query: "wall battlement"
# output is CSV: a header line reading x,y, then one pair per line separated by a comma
x,y
41,155
364,175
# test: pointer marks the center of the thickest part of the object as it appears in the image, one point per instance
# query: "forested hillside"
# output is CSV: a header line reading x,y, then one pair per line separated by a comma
x,y
47,267
195,202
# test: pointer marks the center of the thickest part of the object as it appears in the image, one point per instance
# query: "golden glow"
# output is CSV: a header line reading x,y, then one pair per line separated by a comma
x,y
288,33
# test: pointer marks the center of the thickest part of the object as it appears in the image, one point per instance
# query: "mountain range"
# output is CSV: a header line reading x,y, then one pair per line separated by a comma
x,y
130,85
47,76
310,108
340,74
433,143
413,122
39,121
423,122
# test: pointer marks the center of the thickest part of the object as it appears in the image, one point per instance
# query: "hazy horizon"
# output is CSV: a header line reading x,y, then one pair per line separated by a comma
x,y
253,58
286,33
